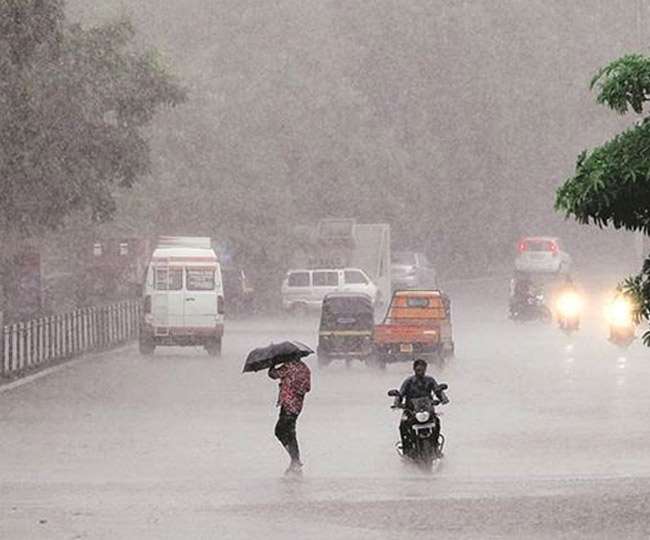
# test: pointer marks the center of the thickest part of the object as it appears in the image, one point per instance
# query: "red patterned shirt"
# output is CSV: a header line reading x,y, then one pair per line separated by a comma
x,y
295,382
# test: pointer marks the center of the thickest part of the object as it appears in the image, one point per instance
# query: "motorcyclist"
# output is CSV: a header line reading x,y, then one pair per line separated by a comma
x,y
418,385
521,290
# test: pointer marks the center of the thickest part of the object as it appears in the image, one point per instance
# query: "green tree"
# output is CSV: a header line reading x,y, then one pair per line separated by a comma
x,y
611,185
74,104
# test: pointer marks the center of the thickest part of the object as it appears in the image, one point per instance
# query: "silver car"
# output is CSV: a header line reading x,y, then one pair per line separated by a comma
x,y
412,270
543,254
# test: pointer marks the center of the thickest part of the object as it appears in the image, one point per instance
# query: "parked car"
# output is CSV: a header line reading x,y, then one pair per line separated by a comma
x,y
183,297
542,254
417,325
346,326
412,270
306,289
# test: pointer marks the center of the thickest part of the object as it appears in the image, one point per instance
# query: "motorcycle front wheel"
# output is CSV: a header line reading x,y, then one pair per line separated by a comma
x,y
426,451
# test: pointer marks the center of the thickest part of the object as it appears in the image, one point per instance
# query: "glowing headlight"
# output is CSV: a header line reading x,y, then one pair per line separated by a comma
x,y
422,416
619,312
569,304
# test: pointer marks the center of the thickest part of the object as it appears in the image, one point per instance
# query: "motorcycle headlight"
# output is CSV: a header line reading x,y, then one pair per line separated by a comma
x,y
569,305
422,416
619,312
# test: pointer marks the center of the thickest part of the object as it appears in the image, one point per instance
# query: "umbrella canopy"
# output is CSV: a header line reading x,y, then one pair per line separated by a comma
x,y
274,354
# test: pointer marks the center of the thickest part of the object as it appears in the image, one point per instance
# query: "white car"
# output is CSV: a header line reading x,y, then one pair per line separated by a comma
x,y
305,289
542,254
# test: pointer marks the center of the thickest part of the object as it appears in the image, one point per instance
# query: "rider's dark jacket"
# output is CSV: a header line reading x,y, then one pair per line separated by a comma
x,y
418,387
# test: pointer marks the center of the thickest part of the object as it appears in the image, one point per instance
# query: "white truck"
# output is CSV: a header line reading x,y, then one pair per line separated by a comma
x,y
339,244
183,296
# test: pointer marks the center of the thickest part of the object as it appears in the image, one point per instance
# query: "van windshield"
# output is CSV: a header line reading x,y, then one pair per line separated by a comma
x,y
200,279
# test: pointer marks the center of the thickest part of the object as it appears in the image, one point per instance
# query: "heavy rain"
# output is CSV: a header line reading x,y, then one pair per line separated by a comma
x,y
324,269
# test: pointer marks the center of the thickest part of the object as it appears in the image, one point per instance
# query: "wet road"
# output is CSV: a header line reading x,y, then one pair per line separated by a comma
x,y
546,438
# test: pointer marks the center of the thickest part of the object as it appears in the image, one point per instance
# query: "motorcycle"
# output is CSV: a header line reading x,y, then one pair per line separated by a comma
x,y
622,329
533,308
569,307
424,424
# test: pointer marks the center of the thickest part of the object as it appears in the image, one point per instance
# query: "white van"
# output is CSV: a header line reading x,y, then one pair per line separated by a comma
x,y
183,296
305,289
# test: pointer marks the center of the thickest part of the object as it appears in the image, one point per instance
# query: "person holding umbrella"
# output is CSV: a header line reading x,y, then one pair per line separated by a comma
x,y
295,381
284,363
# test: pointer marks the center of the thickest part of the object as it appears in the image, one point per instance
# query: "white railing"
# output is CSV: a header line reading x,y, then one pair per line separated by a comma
x,y
28,345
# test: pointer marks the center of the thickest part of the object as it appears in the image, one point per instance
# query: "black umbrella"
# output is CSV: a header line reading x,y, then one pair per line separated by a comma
x,y
274,354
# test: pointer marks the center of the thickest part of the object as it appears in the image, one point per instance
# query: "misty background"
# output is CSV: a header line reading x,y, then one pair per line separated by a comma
x,y
453,121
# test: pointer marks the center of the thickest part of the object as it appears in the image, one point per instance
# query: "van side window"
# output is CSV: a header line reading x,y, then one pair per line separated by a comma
x,y
200,279
326,279
168,279
299,279
354,277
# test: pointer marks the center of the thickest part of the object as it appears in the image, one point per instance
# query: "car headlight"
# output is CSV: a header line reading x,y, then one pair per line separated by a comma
x,y
422,416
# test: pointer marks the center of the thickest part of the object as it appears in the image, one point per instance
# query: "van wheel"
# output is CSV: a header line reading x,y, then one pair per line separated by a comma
x,y
323,361
214,348
146,347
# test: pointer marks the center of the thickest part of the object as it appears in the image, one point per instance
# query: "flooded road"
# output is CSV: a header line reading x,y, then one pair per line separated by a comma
x,y
546,437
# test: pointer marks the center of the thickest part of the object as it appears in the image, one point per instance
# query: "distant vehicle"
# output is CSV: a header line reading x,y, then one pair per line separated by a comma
x,y
183,297
532,308
305,289
346,327
343,243
622,328
568,306
417,325
238,290
412,270
542,254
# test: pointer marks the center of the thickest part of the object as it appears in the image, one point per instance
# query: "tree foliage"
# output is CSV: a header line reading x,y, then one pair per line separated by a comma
x,y
74,103
611,185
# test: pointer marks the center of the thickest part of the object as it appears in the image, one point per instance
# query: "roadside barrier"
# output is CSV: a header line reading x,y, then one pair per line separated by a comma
x,y
35,343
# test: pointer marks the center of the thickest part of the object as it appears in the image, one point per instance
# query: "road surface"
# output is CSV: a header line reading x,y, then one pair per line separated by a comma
x,y
547,438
